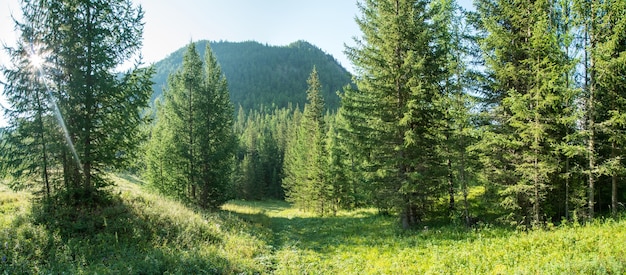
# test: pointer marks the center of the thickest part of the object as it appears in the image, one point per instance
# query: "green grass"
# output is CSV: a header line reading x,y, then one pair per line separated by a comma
x,y
139,232
136,233
362,242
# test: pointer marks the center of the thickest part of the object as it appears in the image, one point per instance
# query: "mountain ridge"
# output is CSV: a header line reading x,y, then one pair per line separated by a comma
x,y
261,75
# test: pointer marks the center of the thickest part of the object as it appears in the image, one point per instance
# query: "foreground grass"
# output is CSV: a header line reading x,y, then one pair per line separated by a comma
x,y
139,232
361,242
136,233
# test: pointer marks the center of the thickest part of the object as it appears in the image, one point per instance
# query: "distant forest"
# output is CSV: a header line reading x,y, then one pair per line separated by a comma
x,y
265,76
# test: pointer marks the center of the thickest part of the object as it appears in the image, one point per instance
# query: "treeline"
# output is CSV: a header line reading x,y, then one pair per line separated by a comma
x,y
525,99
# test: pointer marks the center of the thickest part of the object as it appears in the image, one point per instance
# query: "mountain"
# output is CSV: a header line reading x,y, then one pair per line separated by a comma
x,y
262,75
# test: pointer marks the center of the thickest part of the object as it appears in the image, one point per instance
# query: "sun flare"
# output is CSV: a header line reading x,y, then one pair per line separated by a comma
x,y
37,60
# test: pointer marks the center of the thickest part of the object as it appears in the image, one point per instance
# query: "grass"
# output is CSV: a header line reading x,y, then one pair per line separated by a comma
x,y
136,233
139,232
362,242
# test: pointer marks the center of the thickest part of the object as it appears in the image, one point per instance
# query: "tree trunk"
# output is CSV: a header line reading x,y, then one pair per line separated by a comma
x,y
44,152
464,187
590,86
614,182
567,178
451,206
191,153
409,216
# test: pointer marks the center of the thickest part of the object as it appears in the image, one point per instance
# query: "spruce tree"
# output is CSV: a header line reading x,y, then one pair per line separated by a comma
x,y
295,164
605,23
193,137
455,42
530,96
395,105
215,137
81,44
305,158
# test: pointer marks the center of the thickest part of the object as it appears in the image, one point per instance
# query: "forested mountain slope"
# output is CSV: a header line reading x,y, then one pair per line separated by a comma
x,y
263,75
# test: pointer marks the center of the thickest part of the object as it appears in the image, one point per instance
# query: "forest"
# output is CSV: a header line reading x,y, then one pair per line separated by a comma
x,y
262,76
481,141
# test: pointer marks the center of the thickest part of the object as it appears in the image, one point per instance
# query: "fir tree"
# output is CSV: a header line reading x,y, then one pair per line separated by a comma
x,y
194,134
531,96
81,44
396,103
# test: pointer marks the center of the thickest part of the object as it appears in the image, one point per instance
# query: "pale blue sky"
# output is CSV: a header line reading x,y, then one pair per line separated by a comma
x,y
171,24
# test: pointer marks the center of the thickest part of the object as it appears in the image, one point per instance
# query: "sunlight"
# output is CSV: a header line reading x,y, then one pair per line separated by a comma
x,y
37,60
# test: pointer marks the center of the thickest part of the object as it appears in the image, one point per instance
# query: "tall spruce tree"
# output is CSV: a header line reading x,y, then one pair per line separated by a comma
x,y
395,105
605,26
528,67
455,42
295,169
192,141
305,163
80,44
214,134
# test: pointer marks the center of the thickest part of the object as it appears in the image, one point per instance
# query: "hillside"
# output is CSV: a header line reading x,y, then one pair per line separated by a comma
x,y
263,75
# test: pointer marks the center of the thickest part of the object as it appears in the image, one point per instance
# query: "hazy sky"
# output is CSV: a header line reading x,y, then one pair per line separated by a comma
x,y
171,24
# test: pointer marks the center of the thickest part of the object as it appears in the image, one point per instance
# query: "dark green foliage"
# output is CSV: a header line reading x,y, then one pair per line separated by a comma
x,y
396,111
305,157
605,26
191,151
72,116
264,76
262,140
532,101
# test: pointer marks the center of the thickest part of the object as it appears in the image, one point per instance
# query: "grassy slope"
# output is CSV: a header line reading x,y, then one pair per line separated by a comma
x,y
144,233
139,232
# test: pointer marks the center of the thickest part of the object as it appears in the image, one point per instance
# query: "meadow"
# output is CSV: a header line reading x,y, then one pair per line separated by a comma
x,y
140,232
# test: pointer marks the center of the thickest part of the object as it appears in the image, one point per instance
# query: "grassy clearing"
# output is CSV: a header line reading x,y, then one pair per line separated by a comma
x,y
139,232
362,242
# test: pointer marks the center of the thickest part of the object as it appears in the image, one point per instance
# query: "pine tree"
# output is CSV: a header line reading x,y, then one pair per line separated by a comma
x,y
528,78
305,158
396,104
81,44
194,134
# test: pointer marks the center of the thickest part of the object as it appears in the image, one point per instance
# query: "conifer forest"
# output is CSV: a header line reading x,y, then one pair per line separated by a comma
x,y
464,141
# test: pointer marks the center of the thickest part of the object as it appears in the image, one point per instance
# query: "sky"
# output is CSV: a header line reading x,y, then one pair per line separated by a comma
x,y
170,25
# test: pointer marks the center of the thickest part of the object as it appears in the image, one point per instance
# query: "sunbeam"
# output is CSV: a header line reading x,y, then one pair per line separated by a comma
x,y
38,60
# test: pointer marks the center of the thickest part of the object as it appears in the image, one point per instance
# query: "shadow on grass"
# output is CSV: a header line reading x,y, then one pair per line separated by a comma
x,y
109,237
361,229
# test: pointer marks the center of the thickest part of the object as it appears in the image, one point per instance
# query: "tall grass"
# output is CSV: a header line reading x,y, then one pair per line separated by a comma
x,y
362,242
139,232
